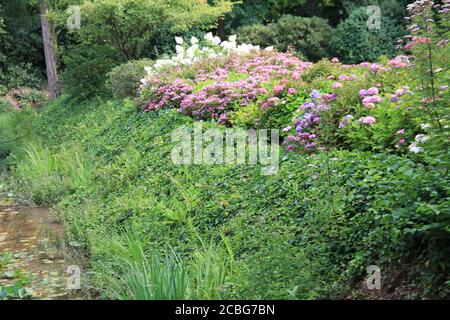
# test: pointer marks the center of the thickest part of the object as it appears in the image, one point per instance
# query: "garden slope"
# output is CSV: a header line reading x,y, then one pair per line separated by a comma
x,y
309,231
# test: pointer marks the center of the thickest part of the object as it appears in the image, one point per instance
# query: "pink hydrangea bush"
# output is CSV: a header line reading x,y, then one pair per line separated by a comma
x,y
237,81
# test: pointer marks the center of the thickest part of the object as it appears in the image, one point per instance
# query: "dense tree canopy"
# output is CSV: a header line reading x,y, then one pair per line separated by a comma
x,y
128,25
22,38
265,11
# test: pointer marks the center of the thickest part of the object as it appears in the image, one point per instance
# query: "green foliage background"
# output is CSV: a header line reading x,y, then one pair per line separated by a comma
x,y
353,42
306,36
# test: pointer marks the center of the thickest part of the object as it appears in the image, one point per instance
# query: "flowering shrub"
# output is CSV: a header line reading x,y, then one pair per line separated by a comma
x,y
396,105
213,47
237,76
427,42
378,106
352,105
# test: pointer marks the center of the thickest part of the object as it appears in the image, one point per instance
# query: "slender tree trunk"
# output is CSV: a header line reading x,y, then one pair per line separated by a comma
x,y
50,62
221,29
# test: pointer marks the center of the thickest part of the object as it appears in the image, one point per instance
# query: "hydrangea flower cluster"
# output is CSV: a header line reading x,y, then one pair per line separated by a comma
x,y
165,96
367,120
370,97
341,78
345,121
215,100
304,138
319,101
214,47
401,140
336,85
272,101
419,139
400,92
217,92
373,67
344,77
398,62
368,92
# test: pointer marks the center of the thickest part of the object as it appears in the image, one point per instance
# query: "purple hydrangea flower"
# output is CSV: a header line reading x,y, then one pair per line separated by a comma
x,y
315,95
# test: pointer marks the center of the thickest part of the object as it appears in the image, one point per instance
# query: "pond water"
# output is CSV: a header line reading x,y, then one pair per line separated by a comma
x,y
34,255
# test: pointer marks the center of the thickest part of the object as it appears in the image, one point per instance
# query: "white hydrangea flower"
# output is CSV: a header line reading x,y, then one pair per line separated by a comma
x,y
228,46
414,148
163,62
245,48
209,37
194,40
181,55
179,40
421,138
208,51
190,52
216,41
179,48
195,53
186,61
269,48
149,70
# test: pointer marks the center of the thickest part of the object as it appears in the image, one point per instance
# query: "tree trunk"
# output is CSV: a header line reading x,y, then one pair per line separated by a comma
x,y
221,29
50,62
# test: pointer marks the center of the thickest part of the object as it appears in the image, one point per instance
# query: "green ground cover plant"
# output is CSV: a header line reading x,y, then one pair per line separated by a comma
x,y
320,233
